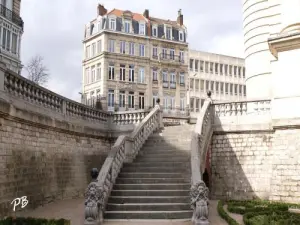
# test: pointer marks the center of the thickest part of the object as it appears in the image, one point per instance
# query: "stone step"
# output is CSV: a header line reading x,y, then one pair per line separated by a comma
x,y
167,140
187,214
152,180
163,156
157,159
168,151
148,199
148,207
140,175
157,164
167,144
149,153
164,186
150,192
152,169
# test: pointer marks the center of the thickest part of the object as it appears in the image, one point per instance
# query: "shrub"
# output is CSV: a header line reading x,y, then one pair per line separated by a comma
x,y
225,215
33,221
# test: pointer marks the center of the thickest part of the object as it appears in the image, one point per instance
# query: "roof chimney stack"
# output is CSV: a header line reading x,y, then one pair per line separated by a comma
x,y
180,18
101,10
146,13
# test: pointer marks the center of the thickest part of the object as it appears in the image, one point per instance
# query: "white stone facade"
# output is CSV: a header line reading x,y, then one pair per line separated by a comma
x,y
223,75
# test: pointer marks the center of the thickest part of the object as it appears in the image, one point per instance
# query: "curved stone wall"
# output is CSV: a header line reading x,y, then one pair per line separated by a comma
x,y
261,20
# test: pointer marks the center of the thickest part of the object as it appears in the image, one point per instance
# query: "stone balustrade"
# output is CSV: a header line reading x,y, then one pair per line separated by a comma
x,y
199,146
124,150
129,117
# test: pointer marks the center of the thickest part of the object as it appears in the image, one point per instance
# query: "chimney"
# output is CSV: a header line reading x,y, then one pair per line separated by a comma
x,y
180,18
146,13
101,10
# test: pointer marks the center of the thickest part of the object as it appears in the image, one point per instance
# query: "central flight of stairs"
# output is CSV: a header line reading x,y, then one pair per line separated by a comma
x,y
156,185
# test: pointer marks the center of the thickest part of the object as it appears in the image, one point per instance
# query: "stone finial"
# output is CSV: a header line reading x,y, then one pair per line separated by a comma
x,y
209,94
158,101
94,173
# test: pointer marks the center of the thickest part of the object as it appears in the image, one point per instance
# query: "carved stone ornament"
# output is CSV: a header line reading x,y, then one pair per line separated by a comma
x,y
199,203
94,200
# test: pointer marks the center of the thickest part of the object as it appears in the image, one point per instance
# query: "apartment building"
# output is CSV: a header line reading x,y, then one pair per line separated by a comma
x,y
223,75
11,30
131,59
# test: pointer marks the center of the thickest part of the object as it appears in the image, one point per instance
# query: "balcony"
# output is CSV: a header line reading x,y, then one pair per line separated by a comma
x,y
165,84
173,85
12,16
170,58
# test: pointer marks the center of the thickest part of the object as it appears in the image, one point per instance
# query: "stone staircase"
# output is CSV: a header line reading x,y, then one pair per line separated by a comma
x,y
156,185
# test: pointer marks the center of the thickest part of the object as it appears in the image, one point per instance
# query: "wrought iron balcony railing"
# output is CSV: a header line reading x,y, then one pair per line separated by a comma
x,y
12,16
170,58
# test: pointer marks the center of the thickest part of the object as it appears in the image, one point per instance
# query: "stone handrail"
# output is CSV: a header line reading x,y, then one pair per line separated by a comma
x,y
259,106
24,89
199,146
124,150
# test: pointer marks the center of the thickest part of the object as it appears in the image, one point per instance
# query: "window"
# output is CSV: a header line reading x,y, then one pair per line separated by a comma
x,y
169,33
211,68
240,89
181,78
235,70
181,56
207,85
111,72
142,50
197,84
93,49
182,104
131,100
191,64
202,85
154,99
165,102
217,87
244,72
141,101
172,54
201,65
206,67
230,70
235,89
216,68
222,87
154,74
181,36
197,104
111,98
87,75
142,76
112,23
231,89
8,41
93,78
172,103
226,70
98,71
154,31
165,76
192,103
196,65
14,43
111,45
212,84
87,51
154,52
221,69
131,73
244,90
164,53
122,47
172,78
131,48
122,99
240,72
226,88
99,46
191,84
142,29
127,26
122,72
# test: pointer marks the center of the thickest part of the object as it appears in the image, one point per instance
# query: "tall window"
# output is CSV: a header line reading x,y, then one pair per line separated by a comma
x,y
127,26
172,78
8,40
222,87
122,47
202,85
142,28
154,74
87,50
154,31
87,75
172,103
154,52
226,70
206,67
93,78
181,36
235,89
221,69
93,49
98,71
216,68
14,43
196,64
111,72
122,99
181,56
181,78
211,67
111,45
164,53
172,54
234,71
122,72
131,48
141,101
182,104
230,70
165,77
131,100
142,76
165,102
131,73
169,33
111,98
112,23
226,88
201,66
142,50
99,46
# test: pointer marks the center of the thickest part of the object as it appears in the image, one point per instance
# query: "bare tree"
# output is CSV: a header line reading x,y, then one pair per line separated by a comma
x,y
37,71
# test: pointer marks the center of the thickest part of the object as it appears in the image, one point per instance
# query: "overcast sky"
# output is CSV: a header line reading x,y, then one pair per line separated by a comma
x,y
54,29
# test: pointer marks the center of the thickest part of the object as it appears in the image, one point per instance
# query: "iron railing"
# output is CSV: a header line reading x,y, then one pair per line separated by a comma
x,y
12,16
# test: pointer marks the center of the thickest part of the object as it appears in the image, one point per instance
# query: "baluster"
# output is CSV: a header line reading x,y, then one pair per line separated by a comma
x,y
244,108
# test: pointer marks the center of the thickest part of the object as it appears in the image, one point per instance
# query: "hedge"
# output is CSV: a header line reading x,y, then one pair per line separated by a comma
x,y
225,215
33,221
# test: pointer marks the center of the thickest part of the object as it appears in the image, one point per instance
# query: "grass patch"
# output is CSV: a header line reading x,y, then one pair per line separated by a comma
x,y
33,221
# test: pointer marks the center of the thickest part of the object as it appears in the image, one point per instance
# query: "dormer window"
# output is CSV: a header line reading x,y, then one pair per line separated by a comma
x,y
112,23
142,28
154,31
127,26
169,33
181,36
